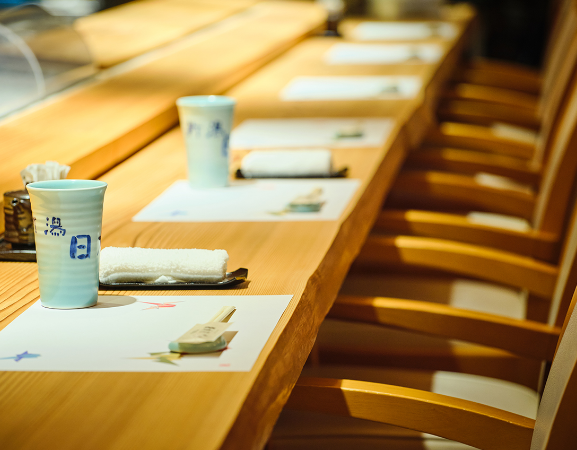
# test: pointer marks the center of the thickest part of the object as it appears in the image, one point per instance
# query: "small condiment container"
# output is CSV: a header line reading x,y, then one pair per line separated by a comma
x,y
19,227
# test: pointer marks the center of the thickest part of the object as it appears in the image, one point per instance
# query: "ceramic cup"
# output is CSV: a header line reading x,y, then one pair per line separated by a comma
x,y
67,217
206,121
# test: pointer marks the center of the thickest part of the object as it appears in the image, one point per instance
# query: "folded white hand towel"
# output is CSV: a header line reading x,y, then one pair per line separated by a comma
x,y
41,172
125,265
287,163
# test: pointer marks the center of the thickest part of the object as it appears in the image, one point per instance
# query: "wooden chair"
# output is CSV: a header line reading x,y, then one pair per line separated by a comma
x,y
491,322
489,91
514,76
539,217
475,411
477,135
527,338
495,144
502,288
491,129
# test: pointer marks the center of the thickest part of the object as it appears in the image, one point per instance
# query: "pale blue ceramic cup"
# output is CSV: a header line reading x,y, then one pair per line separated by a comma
x,y
67,217
206,122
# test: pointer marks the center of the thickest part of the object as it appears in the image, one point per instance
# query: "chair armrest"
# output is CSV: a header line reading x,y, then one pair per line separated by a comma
x,y
464,421
492,95
462,191
501,74
380,252
471,162
540,245
522,337
483,113
476,137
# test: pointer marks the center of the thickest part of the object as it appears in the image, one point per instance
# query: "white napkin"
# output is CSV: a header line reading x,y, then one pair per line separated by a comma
x,y
51,170
287,163
131,264
403,31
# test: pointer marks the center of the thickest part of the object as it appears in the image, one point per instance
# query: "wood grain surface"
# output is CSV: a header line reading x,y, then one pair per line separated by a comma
x,y
524,337
469,422
306,259
125,31
98,125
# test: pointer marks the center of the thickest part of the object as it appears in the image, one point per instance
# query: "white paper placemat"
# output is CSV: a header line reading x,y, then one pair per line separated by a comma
x,y
351,54
403,31
131,334
351,88
248,201
313,132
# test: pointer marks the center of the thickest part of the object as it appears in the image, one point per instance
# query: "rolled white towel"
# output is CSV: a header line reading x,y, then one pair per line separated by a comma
x,y
287,163
130,264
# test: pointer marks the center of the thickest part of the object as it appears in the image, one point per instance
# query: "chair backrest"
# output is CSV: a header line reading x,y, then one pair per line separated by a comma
x,y
561,35
557,181
556,424
556,81
567,277
558,21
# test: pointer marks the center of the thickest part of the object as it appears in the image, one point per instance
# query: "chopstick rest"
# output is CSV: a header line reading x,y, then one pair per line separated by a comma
x,y
287,163
311,202
132,264
350,131
204,338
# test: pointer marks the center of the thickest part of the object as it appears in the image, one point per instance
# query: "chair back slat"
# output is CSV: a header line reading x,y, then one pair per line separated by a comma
x,y
558,21
567,278
557,183
560,42
556,424
552,99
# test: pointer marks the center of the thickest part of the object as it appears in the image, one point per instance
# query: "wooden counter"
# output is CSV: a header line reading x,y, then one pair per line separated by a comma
x,y
96,126
308,260
123,32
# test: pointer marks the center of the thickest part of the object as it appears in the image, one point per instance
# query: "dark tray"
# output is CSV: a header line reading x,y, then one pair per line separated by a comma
x,y
338,174
16,252
232,279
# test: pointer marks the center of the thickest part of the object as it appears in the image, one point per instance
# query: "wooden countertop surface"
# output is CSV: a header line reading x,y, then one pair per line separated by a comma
x,y
118,34
95,126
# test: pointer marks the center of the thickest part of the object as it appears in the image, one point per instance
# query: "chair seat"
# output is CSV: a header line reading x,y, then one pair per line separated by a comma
x,y
504,183
458,292
338,341
363,443
298,430
305,430
515,133
499,221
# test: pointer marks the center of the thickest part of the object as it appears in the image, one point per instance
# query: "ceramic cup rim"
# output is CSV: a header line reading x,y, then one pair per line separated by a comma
x,y
66,185
206,101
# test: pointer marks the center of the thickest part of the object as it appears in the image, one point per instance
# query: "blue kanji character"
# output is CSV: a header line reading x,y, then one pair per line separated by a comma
x,y
192,127
55,228
75,246
215,129
224,148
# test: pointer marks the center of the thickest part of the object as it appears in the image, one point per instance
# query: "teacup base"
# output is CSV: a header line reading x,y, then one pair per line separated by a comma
x,y
67,307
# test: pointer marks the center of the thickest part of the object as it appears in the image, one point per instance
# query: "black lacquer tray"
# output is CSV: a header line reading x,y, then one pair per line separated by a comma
x,y
337,174
232,279
16,252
